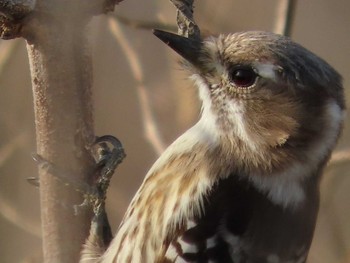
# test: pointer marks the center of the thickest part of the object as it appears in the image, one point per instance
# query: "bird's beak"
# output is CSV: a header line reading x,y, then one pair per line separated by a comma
x,y
189,49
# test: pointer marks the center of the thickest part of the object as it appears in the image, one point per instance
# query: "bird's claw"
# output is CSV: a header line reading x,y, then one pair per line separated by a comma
x,y
108,153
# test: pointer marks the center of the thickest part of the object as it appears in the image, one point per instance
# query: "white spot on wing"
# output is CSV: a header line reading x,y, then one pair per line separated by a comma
x,y
171,253
211,242
191,224
233,243
180,260
187,247
272,258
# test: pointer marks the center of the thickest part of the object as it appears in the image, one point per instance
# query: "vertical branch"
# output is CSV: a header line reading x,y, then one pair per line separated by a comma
x,y
61,72
285,17
60,64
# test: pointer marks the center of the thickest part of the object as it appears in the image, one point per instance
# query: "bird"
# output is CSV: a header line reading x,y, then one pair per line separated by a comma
x,y
242,184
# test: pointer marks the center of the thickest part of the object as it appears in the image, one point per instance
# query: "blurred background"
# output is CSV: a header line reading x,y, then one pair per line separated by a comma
x,y
142,96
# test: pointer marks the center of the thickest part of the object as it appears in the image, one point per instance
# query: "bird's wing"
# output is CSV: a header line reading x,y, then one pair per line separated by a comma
x,y
239,224
206,238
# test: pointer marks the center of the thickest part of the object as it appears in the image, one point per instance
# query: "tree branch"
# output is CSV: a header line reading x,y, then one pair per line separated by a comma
x,y
339,157
61,77
61,72
186,25
15,9
141,24
285,17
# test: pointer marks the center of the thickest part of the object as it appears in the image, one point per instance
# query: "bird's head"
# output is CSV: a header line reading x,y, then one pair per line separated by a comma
x,y
266,94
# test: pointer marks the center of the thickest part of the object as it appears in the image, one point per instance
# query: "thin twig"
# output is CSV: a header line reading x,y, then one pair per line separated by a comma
x,y
285,17
150,126
6,210
146,25
339,157
186,25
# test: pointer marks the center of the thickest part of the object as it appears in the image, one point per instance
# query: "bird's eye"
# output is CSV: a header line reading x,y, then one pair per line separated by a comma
x,y
243,76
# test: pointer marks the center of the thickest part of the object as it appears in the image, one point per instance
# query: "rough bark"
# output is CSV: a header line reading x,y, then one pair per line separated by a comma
x,y
61,78
61,72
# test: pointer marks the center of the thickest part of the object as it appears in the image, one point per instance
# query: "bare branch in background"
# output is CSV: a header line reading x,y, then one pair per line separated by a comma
x,y
12,215
331,214
7,211
9,148
146,25
149,123
186,27
329,211
334,223
339,157
285,17
7,48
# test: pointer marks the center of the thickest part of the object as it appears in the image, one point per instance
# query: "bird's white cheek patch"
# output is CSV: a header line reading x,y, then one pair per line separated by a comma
x,y
237,118
285,188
